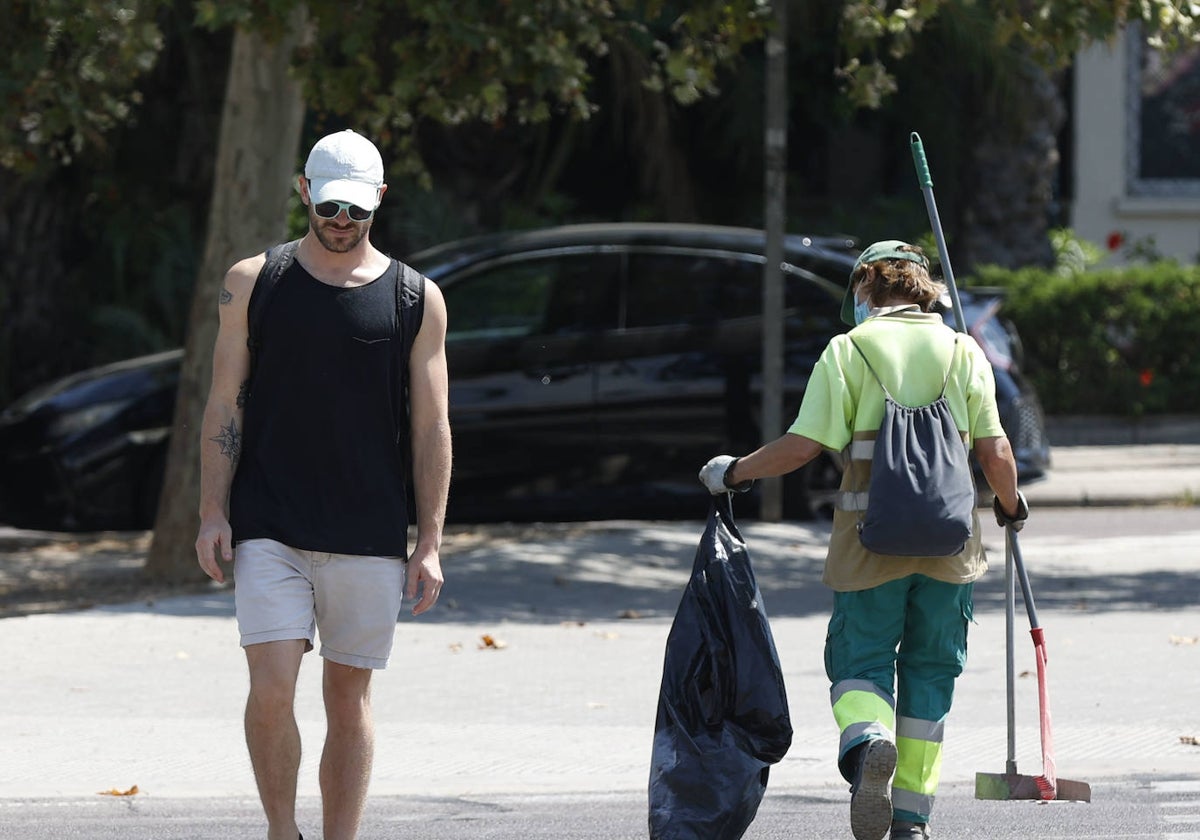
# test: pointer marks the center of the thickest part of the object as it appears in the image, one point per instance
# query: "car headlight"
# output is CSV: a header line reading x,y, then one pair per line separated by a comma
x,y
80,420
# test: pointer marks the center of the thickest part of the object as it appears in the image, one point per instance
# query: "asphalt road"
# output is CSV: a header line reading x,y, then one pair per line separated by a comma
x,y
549,737
1136,808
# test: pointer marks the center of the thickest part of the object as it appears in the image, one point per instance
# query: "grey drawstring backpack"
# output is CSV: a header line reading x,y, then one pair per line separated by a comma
x,y
921,495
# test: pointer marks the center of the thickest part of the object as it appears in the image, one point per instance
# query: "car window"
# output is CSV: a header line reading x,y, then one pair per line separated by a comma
x,y
666,289
809,298
533,296
703,288
813,316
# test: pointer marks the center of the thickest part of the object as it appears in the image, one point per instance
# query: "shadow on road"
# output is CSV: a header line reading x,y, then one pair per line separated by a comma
x,y
588,571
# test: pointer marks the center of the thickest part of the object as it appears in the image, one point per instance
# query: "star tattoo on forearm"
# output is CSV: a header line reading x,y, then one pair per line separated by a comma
x,y
230,441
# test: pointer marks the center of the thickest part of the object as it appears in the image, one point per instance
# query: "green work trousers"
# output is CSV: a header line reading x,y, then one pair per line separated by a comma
x,y
892,655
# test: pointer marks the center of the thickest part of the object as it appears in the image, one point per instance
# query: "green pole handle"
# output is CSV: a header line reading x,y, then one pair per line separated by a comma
x,y
918,153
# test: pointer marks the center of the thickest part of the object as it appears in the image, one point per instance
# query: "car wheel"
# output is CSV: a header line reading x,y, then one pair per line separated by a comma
x,y
811,492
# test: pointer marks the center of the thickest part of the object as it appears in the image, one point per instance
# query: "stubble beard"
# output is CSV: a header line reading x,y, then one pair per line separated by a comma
x,y
349,237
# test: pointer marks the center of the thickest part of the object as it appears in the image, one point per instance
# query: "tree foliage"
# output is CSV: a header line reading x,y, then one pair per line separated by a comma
x,y
497,62
70,67
68,75
876,34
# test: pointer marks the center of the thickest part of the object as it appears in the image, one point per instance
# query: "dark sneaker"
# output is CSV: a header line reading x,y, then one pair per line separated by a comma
x,y
905,830
870,804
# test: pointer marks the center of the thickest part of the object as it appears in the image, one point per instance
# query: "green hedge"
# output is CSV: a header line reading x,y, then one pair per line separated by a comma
x,y
1118,341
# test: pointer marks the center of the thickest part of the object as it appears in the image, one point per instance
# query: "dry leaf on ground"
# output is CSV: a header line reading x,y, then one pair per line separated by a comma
x,y
133,791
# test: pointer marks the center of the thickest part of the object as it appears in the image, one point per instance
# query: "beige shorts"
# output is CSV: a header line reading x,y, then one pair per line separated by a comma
x,y
287,593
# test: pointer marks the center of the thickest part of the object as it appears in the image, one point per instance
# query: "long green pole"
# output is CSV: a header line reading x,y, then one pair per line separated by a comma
x,y
926,180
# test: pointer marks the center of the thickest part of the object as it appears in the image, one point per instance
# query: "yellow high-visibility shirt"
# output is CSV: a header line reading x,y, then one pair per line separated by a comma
x,y
911,352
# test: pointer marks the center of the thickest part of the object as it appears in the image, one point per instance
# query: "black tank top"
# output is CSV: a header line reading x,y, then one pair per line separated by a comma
x,y
320,467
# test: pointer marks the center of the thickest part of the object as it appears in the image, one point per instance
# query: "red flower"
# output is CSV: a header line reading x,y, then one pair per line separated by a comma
x,y
1146,377
1115,240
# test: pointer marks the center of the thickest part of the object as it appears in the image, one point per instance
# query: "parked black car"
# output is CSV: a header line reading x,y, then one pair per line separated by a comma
x,y
593,370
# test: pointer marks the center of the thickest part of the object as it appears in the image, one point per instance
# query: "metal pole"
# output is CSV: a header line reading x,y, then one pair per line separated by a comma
x,y
1023,578
774,214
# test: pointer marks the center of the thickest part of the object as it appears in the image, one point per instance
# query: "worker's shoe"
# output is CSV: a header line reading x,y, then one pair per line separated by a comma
x,y
905,830
870,803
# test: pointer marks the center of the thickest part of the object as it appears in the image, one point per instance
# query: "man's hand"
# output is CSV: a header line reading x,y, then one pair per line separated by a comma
x,y
1015,519
215,541
713,475
423,575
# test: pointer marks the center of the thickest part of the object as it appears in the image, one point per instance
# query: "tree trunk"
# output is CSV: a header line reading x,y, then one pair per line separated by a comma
x,y
642,122
256,161
40,236
1015,163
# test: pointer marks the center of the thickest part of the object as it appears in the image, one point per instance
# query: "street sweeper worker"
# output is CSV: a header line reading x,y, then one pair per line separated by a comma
x,y
897,637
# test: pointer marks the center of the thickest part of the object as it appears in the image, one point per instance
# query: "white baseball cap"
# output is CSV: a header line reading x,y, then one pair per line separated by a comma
x,y
345,167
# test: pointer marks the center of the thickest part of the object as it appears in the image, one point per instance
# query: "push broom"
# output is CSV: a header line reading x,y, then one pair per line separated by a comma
x,y
1009,784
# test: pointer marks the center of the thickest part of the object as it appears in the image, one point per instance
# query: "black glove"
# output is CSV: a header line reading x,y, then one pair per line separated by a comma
x,y
1017,520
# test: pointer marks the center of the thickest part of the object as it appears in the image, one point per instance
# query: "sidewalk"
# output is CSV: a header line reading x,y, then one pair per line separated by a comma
x,y
562,698
1152,474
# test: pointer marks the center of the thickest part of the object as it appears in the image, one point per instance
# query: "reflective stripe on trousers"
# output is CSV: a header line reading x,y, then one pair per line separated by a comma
x,y
862,711
918,767
904,639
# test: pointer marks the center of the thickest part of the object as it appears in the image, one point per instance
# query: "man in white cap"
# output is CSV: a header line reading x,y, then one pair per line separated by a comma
x,y
310,502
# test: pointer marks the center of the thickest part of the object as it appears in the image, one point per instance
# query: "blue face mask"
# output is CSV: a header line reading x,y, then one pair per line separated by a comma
x,y
862,311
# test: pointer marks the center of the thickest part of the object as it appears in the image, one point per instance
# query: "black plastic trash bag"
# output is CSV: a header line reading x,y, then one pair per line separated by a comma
x,y
722,709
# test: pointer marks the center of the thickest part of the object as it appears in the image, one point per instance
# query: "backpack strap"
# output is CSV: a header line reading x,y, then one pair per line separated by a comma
x,y
410,305
953,356
410,311
279,260
886,393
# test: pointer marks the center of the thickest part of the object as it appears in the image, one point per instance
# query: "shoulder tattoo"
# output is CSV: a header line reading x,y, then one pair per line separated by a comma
x,y
226,296
230,441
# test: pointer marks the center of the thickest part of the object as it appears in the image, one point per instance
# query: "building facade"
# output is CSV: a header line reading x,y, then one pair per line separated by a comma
x,y
1136,150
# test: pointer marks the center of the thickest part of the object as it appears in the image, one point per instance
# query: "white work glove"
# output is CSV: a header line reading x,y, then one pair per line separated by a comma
x,y
712,476
1017,520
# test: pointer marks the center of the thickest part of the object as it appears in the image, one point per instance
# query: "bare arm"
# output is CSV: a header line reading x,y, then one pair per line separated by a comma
x,y
783,455
221,429
431,448
995,457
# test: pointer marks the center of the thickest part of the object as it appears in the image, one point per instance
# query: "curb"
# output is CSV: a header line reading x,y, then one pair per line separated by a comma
x,y
1112,430
1059,500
